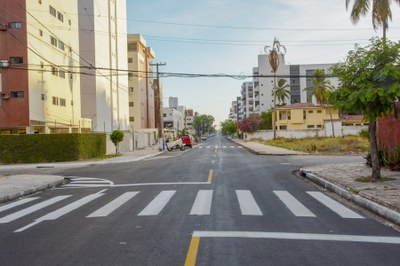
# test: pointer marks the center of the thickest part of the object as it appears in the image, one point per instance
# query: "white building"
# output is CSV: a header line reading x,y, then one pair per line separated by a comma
x,y
247,99
172,121
296,76
103,46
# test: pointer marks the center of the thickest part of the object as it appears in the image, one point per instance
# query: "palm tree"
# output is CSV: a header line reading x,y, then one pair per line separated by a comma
x,y
381,12
320,90
281,91
273,58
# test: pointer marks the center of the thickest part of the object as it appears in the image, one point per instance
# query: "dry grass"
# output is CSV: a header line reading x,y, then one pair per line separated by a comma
x,y
322,145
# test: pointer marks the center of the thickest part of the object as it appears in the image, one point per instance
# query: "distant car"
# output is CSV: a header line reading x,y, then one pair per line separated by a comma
x,y
203,138
187,140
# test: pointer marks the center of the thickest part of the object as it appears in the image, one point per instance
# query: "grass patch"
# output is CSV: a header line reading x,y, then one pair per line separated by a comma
x,y
347,144
368,179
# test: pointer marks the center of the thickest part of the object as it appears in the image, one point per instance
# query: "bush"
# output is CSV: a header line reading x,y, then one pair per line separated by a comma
x,y
51,147
364,133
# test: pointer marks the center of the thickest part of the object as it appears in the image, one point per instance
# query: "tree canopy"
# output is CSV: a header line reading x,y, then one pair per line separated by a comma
x,y
203,124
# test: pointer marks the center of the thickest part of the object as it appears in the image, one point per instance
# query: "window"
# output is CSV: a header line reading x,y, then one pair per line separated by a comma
x,y
283,127
62,102
40,1
310,126
61,74
130,90
15,25
53,11
61,45
131,104
131,119
130,60
69,22
41,65
55,100
130,76
17,94
319,111
16,60
319,126
54,71
304,115
53,41
165,115
60,16
41,33
310,111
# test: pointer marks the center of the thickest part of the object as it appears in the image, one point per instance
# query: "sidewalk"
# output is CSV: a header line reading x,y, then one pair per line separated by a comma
x,y
16,186
381,198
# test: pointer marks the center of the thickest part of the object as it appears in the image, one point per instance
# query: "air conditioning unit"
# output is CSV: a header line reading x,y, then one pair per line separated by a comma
x,y
4,63
3,27
5,96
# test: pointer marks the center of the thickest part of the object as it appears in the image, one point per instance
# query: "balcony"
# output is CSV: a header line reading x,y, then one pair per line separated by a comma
x,y
257,89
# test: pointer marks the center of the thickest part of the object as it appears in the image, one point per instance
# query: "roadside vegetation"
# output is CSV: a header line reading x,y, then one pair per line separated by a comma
x,y
322,145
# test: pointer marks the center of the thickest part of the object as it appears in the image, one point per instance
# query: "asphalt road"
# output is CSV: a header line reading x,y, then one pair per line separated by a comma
x,y
215,204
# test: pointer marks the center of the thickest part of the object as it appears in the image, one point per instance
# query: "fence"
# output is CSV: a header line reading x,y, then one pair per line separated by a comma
x,y
136,140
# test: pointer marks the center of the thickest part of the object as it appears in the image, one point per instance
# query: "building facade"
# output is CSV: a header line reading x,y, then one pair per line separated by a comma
x,y
141,83
39,68
298,77
247,98
303,116
103,54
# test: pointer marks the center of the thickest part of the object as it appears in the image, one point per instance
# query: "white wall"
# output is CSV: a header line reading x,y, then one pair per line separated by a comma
x,y
295,134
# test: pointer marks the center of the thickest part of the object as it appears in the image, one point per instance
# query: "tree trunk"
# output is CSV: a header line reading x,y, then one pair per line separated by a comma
x,y
376,167
274,125
333,128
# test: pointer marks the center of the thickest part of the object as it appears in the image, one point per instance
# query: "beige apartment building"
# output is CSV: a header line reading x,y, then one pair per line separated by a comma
x,y
141,84
39,70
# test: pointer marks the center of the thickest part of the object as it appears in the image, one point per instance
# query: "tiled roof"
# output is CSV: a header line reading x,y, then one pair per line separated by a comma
x,y
352,118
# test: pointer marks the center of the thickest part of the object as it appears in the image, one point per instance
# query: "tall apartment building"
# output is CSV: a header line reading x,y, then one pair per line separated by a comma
x,y
141,83
39,68
296,76
247,98
233,115
103,54
189,121
239,107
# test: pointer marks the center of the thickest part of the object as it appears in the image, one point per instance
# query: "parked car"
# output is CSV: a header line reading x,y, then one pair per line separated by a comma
x,y
187,140
203,138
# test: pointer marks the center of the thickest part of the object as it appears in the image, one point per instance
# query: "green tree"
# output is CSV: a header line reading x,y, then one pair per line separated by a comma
x,y
281,91
116,137
273,58
203,124
381,12
321,90
370,82
265,121
229,128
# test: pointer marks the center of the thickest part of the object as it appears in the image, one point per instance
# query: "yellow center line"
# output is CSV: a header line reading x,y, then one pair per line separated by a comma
x,y
192,252
210,176
213,162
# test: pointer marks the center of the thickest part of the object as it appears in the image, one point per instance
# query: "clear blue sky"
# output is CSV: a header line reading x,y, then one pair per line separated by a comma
x,y
217,36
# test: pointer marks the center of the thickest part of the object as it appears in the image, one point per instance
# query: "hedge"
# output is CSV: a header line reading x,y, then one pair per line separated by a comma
x,y
43,148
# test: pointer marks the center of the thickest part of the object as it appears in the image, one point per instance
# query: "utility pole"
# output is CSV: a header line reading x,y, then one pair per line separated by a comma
x,y
160,109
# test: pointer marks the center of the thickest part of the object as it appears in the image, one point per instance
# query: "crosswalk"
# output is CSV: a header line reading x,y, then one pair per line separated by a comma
x,y
202,205
218,147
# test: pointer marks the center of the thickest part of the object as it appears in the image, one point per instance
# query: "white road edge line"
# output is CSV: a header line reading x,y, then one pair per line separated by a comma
x,y
298,236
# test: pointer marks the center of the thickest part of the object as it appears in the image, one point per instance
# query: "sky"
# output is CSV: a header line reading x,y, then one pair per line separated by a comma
x,y
221,36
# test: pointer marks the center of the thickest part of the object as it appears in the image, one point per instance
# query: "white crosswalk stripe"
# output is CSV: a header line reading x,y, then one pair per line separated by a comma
x,y
113,205
202,203
29,210
293,204
158,203
247,203
335,206
17,203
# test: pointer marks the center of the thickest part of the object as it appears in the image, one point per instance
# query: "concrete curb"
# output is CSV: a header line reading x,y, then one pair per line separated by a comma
x,y
265,153
373,207
31,191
